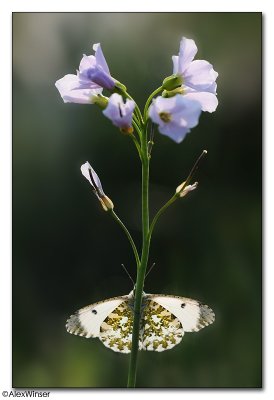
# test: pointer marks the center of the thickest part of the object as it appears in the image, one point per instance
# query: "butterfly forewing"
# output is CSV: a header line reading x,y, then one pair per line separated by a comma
x,y
192,314
164,319
160,329
87,321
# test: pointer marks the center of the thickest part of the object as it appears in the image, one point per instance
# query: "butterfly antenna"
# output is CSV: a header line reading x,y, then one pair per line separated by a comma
x,y
150,269
128,274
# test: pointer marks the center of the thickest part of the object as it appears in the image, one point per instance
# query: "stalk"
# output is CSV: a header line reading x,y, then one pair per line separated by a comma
x,y
131,241
141,271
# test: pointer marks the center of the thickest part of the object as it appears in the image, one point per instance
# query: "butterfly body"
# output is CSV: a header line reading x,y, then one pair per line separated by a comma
x,y
164,320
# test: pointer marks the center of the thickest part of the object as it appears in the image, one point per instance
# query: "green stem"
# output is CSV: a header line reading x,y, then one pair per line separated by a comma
x,y
159,213
149,100
117,219
137,128
141,271
137,145
176,195
136,109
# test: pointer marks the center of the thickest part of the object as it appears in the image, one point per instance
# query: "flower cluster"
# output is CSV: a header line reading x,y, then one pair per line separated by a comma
x,y
190,90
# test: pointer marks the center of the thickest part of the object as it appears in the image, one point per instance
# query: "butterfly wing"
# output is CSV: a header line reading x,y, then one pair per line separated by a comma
x,y
161,329
88,320
192,314
116,329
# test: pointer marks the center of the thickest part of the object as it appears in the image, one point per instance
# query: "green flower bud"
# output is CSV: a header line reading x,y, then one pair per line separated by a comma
x,y
119,88
101,101
172,82
171,93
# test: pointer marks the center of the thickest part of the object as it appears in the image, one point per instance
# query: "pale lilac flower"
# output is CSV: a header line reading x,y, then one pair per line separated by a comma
x,y
71,92
95,182
93,76
120,113
198,76
175,116
94,71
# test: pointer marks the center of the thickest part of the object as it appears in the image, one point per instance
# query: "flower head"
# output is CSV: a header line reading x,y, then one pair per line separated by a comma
x,y
120,113
95,182
175,116
93,76
94,71
198,76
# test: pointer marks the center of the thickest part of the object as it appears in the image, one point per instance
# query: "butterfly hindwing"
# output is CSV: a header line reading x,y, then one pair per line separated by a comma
x,y
88,320
160,329
192,314
116,329
164,319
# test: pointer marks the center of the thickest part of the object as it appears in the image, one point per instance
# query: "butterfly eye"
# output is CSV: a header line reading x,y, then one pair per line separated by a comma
x,y
183,305
94,312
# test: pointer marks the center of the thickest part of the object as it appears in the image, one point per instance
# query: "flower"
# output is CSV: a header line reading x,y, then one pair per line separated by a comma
x,y
183,190
71,92
92,77
198,76
120,113
95,182
175,115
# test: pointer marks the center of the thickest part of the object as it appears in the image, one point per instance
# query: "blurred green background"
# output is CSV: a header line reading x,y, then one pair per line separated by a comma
x,y
67,252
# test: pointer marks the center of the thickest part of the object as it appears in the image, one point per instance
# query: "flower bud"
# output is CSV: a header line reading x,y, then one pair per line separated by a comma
x,y
172,82
100,77
96,185
119,88
100,101
171,93
183,190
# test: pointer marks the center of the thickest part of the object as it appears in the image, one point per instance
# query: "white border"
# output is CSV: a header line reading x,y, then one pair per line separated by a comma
x,y
5,175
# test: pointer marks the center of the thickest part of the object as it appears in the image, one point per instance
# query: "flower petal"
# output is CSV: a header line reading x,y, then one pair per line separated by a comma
x,y
118,112
87,62
88,171
200,75
187,52
182,114
71,91
100,59
208,101
186,112
174,132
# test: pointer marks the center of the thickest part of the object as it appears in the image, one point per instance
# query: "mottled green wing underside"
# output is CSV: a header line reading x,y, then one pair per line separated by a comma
x,y
164,320
160,330
116,330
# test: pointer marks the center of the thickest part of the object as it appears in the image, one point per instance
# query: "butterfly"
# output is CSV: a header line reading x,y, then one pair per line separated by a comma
x,y
164,320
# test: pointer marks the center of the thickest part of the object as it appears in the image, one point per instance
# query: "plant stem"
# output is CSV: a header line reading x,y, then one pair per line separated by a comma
x,y
176,195
158,90
137,145
117,219
159,213
137,128
141,271
137,109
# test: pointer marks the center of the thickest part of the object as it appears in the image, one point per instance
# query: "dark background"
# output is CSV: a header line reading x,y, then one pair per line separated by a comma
x,y
67,252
